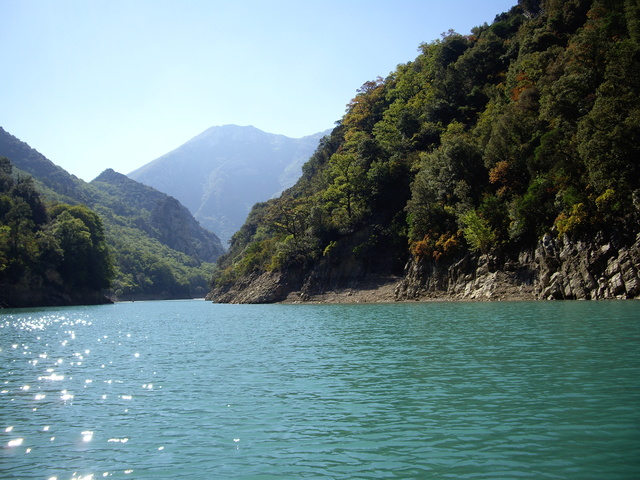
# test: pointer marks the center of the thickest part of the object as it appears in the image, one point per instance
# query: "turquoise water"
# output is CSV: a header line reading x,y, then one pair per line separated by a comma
x,y
177,390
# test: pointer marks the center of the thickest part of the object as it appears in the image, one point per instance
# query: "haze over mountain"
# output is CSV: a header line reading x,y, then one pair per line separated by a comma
x,y
221,173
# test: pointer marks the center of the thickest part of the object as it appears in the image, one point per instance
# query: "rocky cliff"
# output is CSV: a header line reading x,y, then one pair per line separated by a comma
x,y
606,267
603,268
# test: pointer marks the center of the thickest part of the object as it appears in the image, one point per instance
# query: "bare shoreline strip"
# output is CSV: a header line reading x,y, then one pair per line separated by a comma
x,y
385,293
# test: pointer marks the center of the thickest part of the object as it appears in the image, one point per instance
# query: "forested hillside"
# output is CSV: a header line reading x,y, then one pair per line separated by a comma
x,y
48,255
158,249
485,144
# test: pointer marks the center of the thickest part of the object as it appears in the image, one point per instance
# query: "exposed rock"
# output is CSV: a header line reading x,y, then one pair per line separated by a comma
x,y
472,277
555,269
340,275
268,287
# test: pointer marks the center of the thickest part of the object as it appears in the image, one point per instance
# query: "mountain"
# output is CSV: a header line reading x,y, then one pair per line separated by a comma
x,y
159,249
169,221
222,172
500,163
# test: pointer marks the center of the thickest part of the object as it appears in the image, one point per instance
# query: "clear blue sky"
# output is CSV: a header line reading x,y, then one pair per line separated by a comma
x,y
96,84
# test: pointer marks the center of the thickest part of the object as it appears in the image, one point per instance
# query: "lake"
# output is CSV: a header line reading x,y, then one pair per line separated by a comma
x,y
189,389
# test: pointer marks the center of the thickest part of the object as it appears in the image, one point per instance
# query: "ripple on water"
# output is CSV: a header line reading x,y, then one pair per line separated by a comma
x,y
193,390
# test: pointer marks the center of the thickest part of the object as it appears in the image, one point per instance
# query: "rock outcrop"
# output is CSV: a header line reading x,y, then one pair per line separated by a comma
x,y
553,269
472,277
588,270
604,268
268,287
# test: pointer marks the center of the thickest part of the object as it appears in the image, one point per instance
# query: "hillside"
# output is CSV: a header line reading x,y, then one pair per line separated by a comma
x,y
221,173
159,250
169,221
498,164
49,255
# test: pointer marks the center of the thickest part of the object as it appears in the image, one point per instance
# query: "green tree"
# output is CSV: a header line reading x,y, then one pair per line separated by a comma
x,y
80,234
609,135
478,232
346,183
6,182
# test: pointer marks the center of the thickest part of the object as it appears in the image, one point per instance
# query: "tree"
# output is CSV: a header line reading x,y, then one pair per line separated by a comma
x,y
477,231
79,232
6,182
25,189
346,183
609,135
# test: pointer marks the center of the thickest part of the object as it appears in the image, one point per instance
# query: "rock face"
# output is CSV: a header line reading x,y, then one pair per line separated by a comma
x,y
580,270
554,269
472,277
338,270
268,287
604,268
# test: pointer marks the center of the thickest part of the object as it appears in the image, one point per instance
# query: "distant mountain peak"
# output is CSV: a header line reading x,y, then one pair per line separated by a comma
x,y
222,172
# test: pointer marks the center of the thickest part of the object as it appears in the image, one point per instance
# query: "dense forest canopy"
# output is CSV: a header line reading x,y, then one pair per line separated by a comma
x,y
62,247
485,141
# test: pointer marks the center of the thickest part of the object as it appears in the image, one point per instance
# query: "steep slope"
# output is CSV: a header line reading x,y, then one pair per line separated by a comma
x,y
160,250
496,163
223,171
169,221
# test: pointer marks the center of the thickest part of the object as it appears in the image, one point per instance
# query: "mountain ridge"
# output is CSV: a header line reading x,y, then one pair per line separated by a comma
x,y
160,250
171,222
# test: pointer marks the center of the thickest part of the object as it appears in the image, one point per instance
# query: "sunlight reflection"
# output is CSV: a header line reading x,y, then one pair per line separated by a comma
x,y
66,396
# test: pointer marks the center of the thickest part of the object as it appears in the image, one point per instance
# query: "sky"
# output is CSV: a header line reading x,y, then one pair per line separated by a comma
x,y
97,84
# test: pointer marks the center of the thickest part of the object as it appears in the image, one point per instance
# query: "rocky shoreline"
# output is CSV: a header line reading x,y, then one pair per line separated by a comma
x,y
386,290
29,296
607,267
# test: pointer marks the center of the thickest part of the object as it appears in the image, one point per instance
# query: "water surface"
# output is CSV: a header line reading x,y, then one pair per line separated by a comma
x,y
177,390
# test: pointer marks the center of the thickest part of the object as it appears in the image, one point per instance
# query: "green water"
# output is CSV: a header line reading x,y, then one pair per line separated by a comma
x,y
177,390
